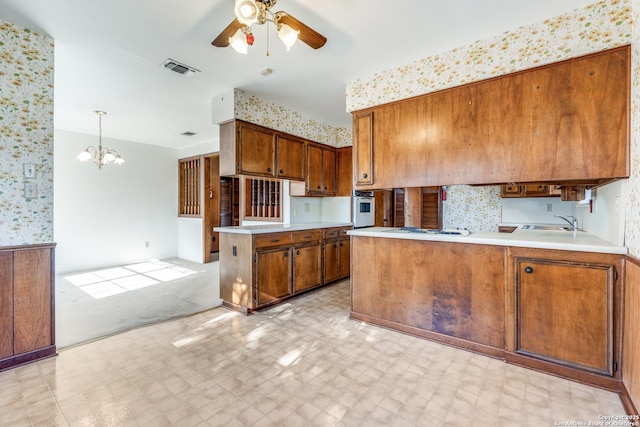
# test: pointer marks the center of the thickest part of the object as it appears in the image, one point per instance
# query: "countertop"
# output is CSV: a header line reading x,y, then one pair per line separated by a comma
x,y
580,241
275,228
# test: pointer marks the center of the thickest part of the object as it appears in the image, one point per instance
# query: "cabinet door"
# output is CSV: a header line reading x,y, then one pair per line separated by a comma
x,y
256,147
315,182
289,158
564,313
344,259
329,171
6,304
32,300
307,267
363,148
273,275
331,257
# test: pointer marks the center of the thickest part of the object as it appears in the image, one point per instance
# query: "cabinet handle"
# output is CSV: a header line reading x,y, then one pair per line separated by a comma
x,y
364,175
318,187
325,187
297,252
268,169
281,171
275,240
286,254
307,237
528,270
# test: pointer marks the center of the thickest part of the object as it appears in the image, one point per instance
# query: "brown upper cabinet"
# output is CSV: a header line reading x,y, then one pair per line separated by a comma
x,y
289,158
248,149
321,176
363,143
560,122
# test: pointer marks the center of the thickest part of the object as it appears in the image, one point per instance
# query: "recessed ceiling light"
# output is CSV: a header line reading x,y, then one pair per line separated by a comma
x,y
188,133
266,72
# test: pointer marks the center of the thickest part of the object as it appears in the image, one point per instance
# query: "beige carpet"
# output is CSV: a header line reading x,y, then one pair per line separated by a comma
x,y
98,303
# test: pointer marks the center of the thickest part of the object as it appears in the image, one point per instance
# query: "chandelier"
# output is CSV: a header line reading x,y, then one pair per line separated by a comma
x,y
100,156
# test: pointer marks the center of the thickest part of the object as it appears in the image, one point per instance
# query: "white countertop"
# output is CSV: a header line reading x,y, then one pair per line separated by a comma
x,y
274,228
580,241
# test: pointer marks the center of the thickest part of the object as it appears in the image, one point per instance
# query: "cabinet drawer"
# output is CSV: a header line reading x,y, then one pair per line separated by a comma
x,y
343,231
334,233
306,236
331,233
271,239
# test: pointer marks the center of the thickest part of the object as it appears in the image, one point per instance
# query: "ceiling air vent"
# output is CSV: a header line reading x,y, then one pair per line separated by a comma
x,y
179,67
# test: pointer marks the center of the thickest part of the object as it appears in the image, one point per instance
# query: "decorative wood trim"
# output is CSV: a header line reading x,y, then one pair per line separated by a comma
x,y
629,406
190,180
25,358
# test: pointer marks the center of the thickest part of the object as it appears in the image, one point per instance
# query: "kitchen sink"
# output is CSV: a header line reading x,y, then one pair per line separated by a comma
x,y
547,227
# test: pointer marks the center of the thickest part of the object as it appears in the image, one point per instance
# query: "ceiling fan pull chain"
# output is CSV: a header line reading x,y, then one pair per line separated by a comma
x,y
267,30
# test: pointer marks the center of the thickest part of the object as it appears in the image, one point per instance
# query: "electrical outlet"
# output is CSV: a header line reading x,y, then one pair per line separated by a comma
x,y
307,207
30,190
549,207
295,212
146,244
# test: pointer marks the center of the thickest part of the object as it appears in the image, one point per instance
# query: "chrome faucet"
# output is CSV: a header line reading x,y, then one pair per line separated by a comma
x,y
573,221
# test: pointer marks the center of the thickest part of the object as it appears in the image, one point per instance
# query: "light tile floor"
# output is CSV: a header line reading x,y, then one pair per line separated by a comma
x,y
301,363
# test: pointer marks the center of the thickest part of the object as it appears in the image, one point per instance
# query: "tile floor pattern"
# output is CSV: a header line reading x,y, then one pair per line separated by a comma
x,y
298,364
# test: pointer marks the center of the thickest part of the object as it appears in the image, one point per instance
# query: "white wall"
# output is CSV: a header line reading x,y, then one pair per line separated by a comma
x,y
607,220
534,210
336,209
104,217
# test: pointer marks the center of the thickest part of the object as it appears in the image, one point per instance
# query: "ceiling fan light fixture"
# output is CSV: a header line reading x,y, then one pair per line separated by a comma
x,y
239,42
246,11
288,35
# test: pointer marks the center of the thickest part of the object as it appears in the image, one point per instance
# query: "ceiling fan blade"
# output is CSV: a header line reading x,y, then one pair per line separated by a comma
x,y
307,34
223,38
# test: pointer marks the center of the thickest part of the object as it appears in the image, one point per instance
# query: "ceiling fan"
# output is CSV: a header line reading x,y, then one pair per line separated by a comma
x,y
248,12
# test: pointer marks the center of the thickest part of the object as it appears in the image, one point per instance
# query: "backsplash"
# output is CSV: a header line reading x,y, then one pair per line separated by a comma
x,y
26,135
478,209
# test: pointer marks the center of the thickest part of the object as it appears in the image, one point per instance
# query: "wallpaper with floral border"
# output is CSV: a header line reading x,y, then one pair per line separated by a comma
x,y
26,135
596,27
255,110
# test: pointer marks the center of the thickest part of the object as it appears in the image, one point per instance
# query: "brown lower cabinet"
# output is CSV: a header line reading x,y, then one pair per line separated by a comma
x,y
550,310
337,256
260,270
27,331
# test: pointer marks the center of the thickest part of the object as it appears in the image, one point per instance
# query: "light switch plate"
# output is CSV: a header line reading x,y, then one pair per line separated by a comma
x,y
30,190
29,170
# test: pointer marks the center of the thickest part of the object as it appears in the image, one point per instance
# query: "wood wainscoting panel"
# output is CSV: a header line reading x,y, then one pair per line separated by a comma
x,y
631,337
451,289
32,299
6,304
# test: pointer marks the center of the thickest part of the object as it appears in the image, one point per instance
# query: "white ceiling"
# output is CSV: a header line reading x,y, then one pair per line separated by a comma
x,y
108,55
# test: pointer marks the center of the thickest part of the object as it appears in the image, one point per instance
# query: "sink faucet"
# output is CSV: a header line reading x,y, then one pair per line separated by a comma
x,y
573,221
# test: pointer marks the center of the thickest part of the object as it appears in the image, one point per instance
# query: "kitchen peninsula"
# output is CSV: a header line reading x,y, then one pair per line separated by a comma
x,y
547,300
262,265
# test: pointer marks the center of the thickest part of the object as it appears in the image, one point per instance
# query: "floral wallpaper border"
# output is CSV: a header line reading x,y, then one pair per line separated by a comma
x,y
255,110
26,135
